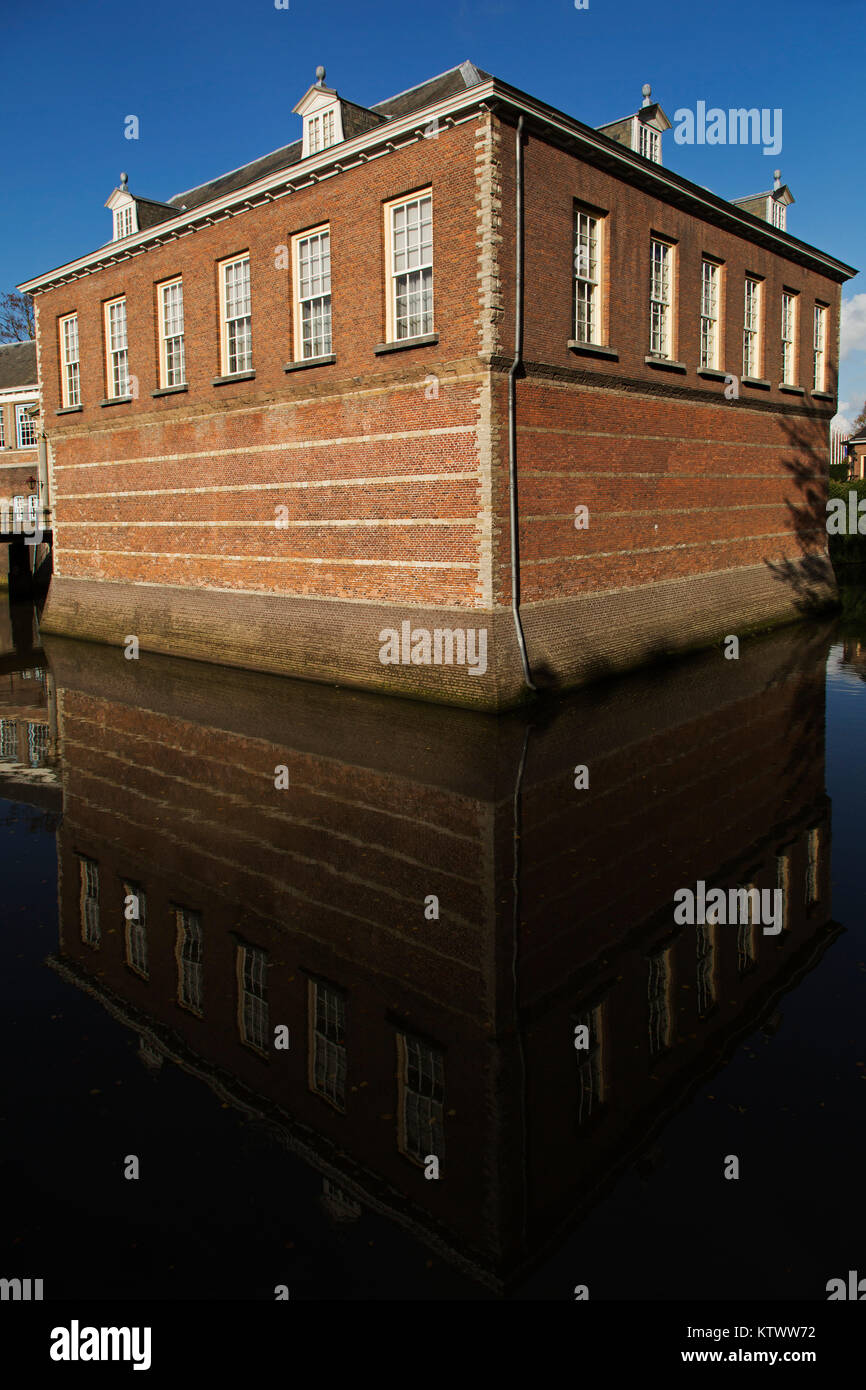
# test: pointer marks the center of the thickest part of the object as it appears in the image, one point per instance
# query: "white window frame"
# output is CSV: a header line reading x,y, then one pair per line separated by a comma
x,y
91,932
661,298
136,931
591,1089
2,427
70,373
777,215
711,275
752,336
116,351
819,348
420,1099
327,1055
172,344
252,971
649,142
189,954
24,424
790,313
304,340
396,275
588,273
660,1019
226,347
125,221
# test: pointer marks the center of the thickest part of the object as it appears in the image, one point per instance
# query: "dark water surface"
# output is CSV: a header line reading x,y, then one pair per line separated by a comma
x,y
309,906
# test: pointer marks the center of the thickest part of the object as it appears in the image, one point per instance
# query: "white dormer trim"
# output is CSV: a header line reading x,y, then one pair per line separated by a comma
x,y
124,213
322,113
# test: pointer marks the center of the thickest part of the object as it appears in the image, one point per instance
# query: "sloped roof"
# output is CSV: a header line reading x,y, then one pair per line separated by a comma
x,y
415,99
17,365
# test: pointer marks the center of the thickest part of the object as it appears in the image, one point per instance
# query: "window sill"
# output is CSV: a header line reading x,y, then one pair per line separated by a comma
x,y
425,341
592,350
666,364
69,410
323,361
235,376
792,390
758,383
823,396
712,374
170,390
116,400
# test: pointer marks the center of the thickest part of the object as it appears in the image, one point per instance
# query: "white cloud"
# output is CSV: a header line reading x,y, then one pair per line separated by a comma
x,y
854,324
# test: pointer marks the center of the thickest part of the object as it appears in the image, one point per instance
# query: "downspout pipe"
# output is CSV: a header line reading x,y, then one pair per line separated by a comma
x,y
512,406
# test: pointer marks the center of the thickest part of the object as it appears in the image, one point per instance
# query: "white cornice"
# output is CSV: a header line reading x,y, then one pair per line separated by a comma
x,y
396,134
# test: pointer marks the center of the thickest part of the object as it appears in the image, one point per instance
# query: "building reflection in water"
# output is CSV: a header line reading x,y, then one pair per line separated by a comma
x,y
206,904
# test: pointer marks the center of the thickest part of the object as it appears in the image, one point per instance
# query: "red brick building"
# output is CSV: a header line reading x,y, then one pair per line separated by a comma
x,y
453,364
304,906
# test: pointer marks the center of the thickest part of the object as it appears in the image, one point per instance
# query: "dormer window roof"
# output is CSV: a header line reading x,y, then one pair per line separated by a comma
x,y
643,130
771,206
131,214
322,113
124,211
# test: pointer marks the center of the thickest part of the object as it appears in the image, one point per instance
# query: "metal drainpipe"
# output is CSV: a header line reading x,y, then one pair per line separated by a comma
x,y
512,414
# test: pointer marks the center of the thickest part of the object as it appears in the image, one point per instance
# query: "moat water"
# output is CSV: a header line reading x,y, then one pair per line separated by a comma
x,y
366,933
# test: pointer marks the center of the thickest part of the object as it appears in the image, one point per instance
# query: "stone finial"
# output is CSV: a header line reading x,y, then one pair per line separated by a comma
x,y
320,75
777,177
124,180
647,92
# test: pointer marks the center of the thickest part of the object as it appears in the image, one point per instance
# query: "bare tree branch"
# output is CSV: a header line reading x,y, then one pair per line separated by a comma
x,y
17,320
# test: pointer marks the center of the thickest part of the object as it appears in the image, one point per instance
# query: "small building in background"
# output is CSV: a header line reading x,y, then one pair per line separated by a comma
x,y
19,430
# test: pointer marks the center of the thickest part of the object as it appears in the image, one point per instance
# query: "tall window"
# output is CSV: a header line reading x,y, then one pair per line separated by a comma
x,y
2,429
313,294
9,740
819,341
172,354
25,427
237,338
420,1098
650,143
709,314
136,928
590,1073
116,347
752,328
70,381
779,214
327,1055
659,1002
706,966
189,953
124,221
661,298
91,932
789,338
253,1011
409,231
321,132
587,279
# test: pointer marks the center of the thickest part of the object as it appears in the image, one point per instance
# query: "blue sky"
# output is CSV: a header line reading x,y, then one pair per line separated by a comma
x,y
213,85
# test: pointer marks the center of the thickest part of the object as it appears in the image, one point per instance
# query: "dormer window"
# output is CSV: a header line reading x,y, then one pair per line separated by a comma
x,y
322,113
650,143
778,214
124,221
643,130
321,131
124,211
